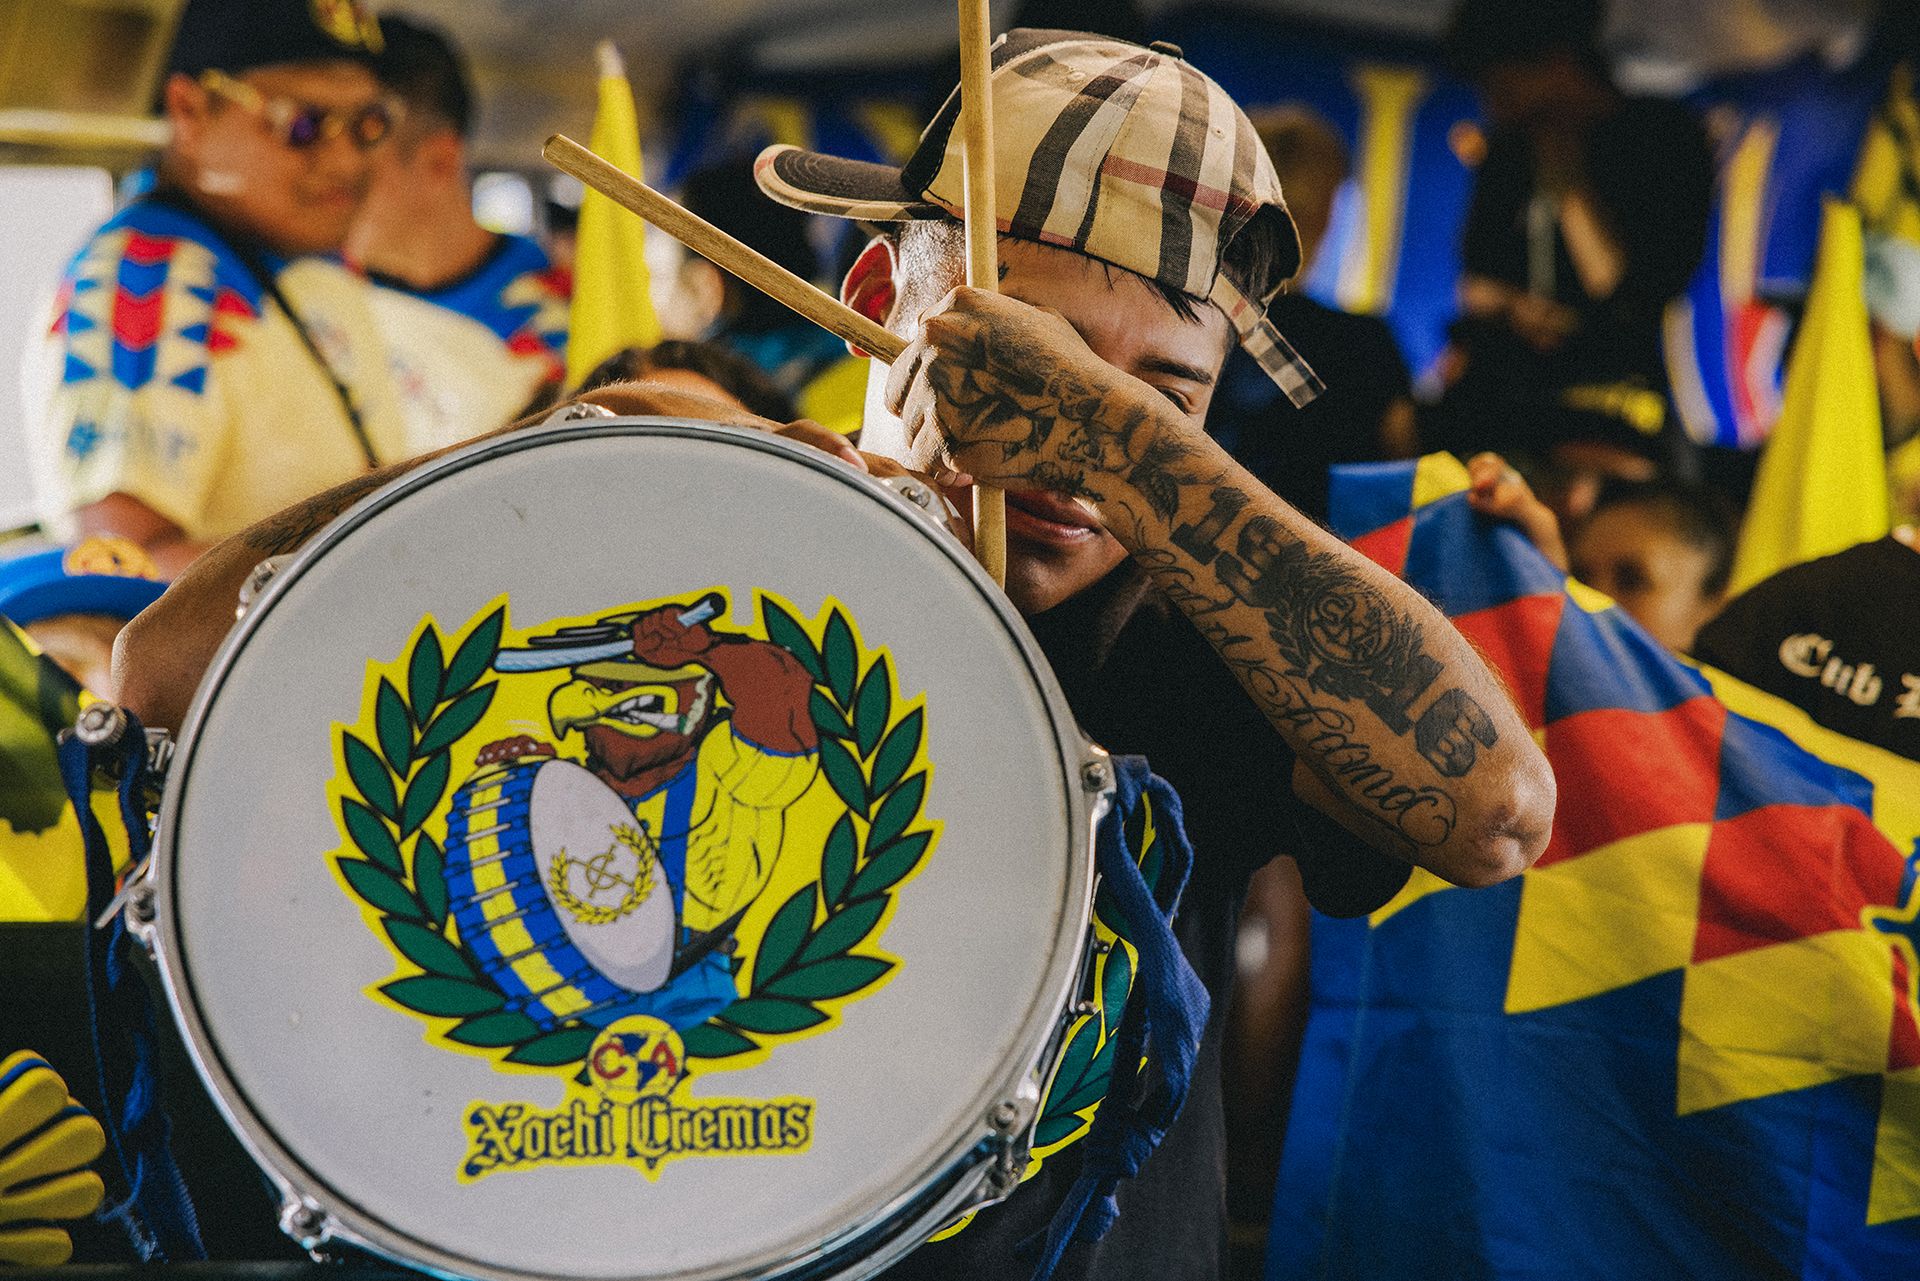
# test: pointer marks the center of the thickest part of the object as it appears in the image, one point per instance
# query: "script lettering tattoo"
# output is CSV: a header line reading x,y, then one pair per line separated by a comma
x,y
1327,737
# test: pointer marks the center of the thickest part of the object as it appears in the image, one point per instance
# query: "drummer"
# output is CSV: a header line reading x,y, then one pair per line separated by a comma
x,y
1363,734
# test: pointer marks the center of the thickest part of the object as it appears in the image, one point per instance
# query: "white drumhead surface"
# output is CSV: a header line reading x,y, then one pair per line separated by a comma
x,y
278,961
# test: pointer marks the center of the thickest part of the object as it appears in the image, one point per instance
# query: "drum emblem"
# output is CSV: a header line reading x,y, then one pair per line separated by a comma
x,y
611,884
631,849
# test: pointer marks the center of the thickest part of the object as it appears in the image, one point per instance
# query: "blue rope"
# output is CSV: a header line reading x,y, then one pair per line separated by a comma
x,y
156,1212
1165,1023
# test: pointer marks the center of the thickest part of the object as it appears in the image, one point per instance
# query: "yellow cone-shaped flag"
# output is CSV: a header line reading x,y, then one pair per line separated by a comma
x,y
1822,483
612,295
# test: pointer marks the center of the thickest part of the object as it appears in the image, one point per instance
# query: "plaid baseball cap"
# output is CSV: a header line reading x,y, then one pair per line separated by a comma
x,y
1121,152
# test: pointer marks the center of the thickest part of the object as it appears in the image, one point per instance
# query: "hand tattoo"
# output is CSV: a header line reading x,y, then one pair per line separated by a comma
x,y
1068,430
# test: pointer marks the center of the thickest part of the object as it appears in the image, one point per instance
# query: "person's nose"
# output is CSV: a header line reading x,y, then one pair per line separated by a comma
x,y
342,160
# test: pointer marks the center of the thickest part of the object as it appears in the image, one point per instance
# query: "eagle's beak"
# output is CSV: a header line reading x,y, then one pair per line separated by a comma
x,y
639,711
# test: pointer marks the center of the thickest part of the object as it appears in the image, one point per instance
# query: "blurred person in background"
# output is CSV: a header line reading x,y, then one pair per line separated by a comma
x,y
703,368
210,361
805,361
1887,190
1838,636
1589,215
475,322
1663,549
1366,412
72,601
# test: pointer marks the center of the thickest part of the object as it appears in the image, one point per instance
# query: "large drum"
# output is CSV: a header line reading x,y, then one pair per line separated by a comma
x,y
630,848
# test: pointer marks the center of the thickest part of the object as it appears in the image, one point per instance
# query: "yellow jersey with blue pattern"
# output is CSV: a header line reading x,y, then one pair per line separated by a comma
x,y
170,374
472,355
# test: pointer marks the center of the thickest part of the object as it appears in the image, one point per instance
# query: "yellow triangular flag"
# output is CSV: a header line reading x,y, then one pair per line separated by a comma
x,y
1822,483
612,294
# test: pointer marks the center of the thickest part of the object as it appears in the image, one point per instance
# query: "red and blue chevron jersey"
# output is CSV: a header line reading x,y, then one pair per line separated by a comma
x,y
170,374
470,356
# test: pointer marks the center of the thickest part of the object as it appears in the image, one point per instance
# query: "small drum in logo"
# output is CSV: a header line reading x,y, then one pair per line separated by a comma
x,y
558,889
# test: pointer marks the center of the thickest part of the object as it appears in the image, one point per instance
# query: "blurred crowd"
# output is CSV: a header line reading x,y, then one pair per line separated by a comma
x,y
303,293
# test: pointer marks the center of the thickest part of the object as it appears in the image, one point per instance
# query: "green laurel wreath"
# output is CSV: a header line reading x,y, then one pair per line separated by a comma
x,y
396,789
806,958
1085,1065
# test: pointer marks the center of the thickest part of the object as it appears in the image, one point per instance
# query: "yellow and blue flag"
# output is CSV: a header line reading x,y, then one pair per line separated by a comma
x,y
42,874
612,291
1686,1043
1822,483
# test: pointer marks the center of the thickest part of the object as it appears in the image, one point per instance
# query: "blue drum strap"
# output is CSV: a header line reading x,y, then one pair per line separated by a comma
x,y
1164,1022
156,1211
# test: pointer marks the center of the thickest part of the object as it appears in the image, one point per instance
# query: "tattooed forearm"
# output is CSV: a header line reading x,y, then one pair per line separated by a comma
x,y
1157,475
1327,738
1337,632
1382,701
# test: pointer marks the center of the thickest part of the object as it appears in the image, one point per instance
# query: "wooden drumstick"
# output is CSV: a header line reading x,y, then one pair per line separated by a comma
x,y
722,250
983,239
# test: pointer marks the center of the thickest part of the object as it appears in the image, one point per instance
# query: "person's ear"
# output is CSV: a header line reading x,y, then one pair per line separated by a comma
x,y
701,293
869,287
447,154
186,105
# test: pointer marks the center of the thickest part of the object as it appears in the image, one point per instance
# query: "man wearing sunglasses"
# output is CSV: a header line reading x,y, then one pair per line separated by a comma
x,y
210,360
475,321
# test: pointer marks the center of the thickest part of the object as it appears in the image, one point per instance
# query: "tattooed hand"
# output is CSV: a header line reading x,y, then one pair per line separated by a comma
x,y
1011,395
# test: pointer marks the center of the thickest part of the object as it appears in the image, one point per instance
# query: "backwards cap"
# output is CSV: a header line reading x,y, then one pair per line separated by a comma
x,y
1121,152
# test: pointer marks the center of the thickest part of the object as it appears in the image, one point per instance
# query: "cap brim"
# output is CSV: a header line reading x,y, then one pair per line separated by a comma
x,y
115,597
840,188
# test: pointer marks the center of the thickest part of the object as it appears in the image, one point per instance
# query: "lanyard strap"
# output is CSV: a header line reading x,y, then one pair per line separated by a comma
x,y
271,284
155,1210
1164,1025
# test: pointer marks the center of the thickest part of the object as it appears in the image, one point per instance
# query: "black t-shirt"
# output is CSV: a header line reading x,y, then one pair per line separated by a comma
x,y
1837,637
1649,170
1160,691
1291,449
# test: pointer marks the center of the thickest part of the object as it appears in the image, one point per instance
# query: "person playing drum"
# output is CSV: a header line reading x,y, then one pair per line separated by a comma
x,y
1303,700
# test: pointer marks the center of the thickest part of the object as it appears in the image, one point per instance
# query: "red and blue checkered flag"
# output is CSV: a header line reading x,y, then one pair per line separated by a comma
x,y
1685,1043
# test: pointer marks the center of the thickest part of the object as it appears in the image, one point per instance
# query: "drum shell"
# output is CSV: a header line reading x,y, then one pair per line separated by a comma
x,y
975,1160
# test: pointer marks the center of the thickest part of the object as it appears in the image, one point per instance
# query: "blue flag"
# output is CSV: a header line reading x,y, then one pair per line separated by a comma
x,y
1684,1044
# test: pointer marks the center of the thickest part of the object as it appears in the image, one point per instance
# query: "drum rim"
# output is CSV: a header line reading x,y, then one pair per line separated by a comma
x,y
961,1162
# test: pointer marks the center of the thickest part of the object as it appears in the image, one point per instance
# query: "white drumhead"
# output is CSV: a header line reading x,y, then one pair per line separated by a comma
x,y
358,1100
